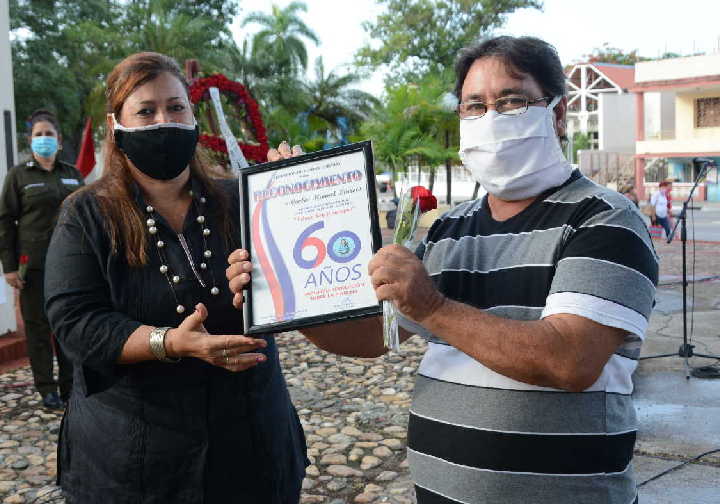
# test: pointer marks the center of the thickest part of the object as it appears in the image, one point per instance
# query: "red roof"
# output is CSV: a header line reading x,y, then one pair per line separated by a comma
x,y
622,75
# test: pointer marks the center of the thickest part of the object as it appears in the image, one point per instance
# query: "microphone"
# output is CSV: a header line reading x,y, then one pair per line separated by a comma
x,y
704,160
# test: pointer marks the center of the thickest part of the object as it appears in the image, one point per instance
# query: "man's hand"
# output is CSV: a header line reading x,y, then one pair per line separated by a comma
x,y
13,279
398,275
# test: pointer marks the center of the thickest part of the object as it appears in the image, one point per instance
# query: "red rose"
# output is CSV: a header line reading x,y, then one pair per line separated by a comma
x,y
23,259
424,197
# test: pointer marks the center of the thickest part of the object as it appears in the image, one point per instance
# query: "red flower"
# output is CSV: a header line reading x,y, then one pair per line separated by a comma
x,y
424,197
239,94
23,259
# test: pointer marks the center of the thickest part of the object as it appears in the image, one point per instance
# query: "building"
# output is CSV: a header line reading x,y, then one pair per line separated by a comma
x,y
677,119
8,148
600,106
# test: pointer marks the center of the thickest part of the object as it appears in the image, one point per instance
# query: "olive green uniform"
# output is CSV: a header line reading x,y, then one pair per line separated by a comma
x,y
29,208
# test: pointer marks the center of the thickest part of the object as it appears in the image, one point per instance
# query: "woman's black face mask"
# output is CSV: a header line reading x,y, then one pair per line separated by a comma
x,y
161,151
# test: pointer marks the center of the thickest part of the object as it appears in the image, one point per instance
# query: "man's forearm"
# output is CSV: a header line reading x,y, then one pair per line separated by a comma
x,y
544,353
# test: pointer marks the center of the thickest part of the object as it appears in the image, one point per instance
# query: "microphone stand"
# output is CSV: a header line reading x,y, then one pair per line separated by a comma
x,y
686,350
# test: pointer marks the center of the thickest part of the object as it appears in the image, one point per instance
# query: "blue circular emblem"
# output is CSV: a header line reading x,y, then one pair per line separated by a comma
x,y
344,246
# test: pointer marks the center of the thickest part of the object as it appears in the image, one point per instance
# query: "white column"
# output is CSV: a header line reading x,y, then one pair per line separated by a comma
x,y
7,103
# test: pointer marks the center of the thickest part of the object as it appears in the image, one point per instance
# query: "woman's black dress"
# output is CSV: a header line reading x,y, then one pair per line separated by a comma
x,y
156,432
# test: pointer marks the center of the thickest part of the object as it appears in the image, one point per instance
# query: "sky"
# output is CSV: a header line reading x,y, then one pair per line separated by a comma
x,y
574,27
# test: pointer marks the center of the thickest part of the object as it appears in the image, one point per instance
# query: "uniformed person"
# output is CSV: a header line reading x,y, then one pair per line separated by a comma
x,y
29,206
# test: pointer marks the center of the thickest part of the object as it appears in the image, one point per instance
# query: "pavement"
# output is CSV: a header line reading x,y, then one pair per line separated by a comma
x,y
355,410
703,219
679,418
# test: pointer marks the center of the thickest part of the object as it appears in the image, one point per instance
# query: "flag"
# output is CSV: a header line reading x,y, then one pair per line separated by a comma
x,y
86,157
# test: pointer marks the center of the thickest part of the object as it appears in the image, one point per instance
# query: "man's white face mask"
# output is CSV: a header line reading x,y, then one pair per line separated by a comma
x,y
514,157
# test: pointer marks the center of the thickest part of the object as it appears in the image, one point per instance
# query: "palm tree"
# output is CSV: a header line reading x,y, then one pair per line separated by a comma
x,y
162,28
154,25
279,42
435,110
330,98
412,126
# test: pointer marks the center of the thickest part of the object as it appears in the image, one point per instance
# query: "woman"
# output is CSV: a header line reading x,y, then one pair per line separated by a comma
x,y
628,190
29,207
170,404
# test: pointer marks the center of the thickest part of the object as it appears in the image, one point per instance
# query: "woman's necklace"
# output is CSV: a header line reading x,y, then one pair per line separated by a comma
x,y
173,278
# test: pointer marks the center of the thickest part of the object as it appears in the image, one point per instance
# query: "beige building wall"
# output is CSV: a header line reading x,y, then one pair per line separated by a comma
x,y
690,67
688,138
685,117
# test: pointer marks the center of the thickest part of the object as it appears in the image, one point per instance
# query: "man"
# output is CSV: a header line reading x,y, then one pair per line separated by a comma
x,y
534,300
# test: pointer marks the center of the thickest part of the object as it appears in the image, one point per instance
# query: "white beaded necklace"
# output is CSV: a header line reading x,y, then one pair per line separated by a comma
x,y
173,278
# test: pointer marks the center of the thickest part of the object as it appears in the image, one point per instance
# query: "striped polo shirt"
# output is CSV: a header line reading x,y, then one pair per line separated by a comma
x,y
477,436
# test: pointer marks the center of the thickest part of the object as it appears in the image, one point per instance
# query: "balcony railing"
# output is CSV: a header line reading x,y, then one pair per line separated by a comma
x,y
661,135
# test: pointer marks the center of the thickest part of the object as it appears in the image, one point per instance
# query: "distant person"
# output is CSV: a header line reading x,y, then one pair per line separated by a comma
x,y
172,404
628,191
659,202
671,219
29,207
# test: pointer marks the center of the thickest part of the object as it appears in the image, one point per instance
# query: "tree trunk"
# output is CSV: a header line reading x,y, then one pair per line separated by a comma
x,y
431,182
393,170
448,170
475,191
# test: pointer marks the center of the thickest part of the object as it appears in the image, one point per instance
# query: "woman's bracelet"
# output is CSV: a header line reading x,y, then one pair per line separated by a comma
x,y
157,344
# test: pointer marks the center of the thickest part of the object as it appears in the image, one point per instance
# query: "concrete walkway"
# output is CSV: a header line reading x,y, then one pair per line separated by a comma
x,y
679,418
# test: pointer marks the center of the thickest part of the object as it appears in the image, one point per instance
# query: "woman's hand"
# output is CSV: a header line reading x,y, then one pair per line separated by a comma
x,y
232,352
238,275
13,279
284,152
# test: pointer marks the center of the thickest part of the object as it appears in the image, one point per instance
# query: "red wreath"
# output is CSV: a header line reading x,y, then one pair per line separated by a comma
x,y
241,96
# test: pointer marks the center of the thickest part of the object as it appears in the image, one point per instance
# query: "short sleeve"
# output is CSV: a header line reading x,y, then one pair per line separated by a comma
x,y
78,302
607,272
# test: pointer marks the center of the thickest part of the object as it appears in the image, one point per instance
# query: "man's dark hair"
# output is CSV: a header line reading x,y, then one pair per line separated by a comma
x,y
527,55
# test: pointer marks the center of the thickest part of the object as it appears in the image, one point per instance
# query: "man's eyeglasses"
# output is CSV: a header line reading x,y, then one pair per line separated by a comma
x,y
512,105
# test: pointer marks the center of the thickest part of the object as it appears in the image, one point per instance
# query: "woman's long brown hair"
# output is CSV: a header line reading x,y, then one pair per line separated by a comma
x,y
126,222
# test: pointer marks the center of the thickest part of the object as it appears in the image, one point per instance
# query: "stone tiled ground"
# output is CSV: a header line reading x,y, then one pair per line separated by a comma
x,y
354,412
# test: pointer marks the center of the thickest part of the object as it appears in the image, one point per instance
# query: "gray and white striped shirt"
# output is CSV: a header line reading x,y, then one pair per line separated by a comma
x,y
477,436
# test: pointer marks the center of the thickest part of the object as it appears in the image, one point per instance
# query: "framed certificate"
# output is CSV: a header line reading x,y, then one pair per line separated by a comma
x,y
311,226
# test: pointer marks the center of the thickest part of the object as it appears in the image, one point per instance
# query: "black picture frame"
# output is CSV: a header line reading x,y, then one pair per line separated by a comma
x,y
250,327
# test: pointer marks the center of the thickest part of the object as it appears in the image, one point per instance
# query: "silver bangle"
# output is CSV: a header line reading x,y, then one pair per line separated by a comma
x,y
157,344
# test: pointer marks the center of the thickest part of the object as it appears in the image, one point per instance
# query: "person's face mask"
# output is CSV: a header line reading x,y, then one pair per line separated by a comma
x,y
161,151
514,157
44,146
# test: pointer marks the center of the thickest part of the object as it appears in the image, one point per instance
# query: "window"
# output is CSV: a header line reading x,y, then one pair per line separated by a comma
x,y
656,170
707,112
594,137
713,176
